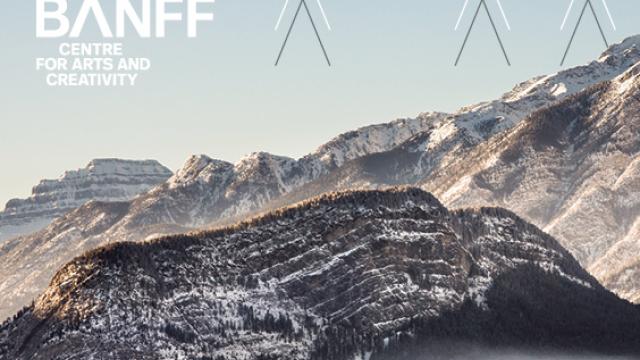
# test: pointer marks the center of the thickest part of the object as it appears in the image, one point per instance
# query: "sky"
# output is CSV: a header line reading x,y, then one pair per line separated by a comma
x,y
221,95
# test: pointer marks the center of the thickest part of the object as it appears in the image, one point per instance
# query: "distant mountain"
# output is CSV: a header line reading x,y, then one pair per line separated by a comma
x,y
364,275
459,157
101,180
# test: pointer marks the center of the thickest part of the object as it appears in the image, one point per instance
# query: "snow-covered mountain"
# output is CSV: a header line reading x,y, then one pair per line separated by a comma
x,y
571,167
344,276
208,190
101,179
442,152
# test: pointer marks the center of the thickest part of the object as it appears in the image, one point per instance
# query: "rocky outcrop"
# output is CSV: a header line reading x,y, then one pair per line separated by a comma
x,y
100,180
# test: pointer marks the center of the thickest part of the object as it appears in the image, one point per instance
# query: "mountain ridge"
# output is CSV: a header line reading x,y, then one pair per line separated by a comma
x,y
206,192
340,276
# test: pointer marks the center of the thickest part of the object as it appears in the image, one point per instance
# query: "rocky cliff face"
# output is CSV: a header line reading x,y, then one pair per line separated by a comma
x,y
101,180
343,276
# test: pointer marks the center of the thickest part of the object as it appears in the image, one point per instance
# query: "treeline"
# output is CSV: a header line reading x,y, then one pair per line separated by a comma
x,y
529,309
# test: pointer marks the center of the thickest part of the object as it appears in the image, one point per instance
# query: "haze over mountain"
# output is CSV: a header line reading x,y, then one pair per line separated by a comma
x,y
559,150
101,180
364,275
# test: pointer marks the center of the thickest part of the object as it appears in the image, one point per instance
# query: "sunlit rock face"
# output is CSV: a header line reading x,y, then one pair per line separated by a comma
x,y
363,274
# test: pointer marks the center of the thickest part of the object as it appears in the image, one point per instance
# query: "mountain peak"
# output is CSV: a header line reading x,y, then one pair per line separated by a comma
x,y
629,48
372,139
103,163
101,179
199,169
262,156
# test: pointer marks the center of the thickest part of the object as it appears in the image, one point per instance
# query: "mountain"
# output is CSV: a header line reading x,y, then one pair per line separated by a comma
x,y
203,191
101,179
448,154
206,190
361,274
571,167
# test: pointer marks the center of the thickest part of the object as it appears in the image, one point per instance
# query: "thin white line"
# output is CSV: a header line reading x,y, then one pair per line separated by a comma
x,y
286,3
504,15
464,7
324,15
609,13
566,16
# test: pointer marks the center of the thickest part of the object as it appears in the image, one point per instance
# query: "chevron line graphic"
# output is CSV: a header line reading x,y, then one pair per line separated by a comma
x,y
303,3
589,5
482,4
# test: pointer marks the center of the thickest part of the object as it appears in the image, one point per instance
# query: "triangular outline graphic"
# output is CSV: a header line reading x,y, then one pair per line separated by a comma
x,y
315,29
481,4
575,29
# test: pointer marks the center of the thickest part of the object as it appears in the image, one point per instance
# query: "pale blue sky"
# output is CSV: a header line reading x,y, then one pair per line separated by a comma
x,y
220,94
